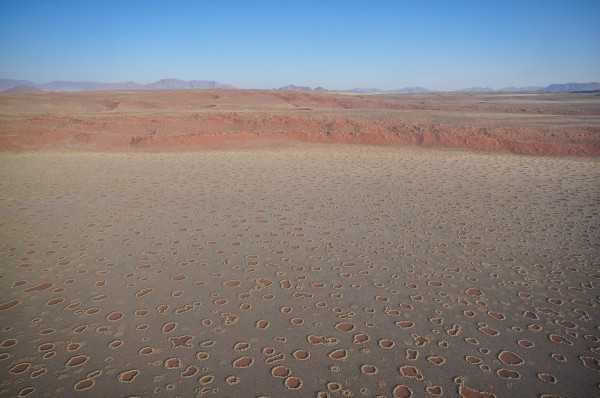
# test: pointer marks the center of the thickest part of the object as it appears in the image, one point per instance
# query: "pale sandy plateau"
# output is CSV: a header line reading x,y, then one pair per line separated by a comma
x,y
300,270
232,243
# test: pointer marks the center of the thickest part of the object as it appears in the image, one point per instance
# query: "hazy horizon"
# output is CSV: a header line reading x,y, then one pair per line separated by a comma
x,y
338,45
300,85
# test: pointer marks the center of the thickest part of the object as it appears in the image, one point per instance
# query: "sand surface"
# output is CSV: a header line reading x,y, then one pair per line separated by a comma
x,y
533,124
301,271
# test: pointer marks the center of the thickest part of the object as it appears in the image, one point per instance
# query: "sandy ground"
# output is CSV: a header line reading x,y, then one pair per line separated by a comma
x,y
312,270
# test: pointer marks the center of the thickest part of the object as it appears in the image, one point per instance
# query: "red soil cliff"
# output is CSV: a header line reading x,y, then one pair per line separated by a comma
x,y
538,124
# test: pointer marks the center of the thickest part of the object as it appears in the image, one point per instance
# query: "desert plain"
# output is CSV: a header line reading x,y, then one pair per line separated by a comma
x,y
247,243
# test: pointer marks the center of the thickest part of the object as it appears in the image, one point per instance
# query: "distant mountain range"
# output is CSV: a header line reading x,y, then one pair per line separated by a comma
x,y
553,88
521,89
23,89
164,84
572,87
25,86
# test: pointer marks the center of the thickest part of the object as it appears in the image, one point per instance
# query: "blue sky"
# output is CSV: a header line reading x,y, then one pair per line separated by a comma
x,y
441,45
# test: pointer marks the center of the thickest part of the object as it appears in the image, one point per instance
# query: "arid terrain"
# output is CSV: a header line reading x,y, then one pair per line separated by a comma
x,y
233,244
535,124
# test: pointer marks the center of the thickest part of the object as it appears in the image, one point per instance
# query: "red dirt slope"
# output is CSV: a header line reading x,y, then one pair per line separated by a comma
x,y
533,124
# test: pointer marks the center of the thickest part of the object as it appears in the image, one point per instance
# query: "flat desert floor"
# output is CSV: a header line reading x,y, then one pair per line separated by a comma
x,y
299,271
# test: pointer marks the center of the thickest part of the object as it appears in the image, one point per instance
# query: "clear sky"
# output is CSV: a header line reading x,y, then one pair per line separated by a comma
x,y
440,45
